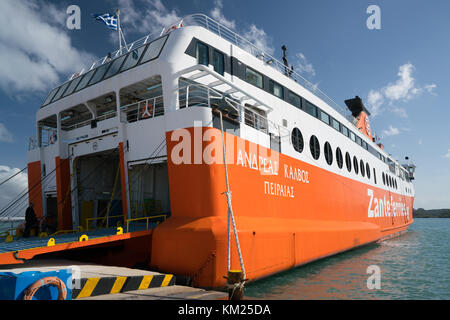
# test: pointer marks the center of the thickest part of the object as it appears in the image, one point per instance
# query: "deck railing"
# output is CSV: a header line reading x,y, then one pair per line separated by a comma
x,y
199,95
144,109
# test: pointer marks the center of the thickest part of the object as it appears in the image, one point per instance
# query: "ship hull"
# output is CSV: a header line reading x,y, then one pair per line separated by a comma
x,y
287,212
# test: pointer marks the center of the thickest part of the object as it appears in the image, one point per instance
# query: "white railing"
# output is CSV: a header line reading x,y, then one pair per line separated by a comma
x,y
106,115
144,109
231,36
199,95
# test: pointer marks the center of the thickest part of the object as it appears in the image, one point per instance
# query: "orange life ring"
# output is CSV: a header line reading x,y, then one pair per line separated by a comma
x,y
53,281
147,110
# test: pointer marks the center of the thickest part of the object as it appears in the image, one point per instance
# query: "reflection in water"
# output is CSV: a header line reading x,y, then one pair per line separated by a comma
x,y
413,266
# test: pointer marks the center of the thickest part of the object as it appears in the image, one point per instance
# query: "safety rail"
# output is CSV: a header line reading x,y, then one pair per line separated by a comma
x,y
231,36
89,220
79,229
105,116
199,95
144,109
147,219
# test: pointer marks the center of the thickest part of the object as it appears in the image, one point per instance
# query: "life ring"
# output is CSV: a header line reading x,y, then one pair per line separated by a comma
x,y
53,281
147,110
52,138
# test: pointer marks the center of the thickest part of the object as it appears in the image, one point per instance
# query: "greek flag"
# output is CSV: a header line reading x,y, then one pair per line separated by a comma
x,y
110,21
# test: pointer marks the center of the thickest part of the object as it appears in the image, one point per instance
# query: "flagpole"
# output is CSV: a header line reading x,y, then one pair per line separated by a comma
x,y
119,30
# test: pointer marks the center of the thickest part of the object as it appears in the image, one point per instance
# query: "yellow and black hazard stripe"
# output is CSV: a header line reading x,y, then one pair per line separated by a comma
x,y
109,285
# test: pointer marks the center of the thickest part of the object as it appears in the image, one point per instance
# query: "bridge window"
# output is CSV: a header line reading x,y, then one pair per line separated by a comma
x,y
72,86
335,124
115,67
276,89
294,99
219,62
50,96
132,59
154,49
310,108
83,83
60,91
314,147
324,117
202,54
99,73
253,77
297,140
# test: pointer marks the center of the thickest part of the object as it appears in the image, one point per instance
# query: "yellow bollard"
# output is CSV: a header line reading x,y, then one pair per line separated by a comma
x,y
119,230
83,238
51,242
9,238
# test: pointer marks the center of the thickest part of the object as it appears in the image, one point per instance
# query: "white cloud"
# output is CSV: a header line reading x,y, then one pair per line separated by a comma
x,y
302,65
448,154
5,135
12,188
216,14
392,131
403,89
39,50
375,100
146,16
260,39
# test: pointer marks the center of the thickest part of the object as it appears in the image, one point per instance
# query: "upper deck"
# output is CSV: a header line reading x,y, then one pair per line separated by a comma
x,y
113,73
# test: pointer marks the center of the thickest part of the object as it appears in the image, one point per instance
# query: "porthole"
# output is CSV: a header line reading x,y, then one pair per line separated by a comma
x,y
363,169
328,153
348,162
339,158
297,140
355,164
368,171
315,147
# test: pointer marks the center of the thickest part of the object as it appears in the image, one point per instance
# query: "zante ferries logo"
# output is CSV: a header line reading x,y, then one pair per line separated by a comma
x,y
382,207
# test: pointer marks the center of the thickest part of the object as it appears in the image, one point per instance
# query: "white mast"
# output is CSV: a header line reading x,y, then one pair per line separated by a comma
x,y
119,29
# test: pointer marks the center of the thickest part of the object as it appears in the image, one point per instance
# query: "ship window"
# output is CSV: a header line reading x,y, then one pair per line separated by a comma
x,y
154,49
339,159
297,140
363,170
202,54
294,99
355,164
219,62
374,175
335,124
358,140
115,66
314,147
310,108
60,92
328,153
83,83
344,130
352,136
276,89
384,178
253,77
50,96
132,59
99,73
348,162
364,145
324,117
72,86
368,171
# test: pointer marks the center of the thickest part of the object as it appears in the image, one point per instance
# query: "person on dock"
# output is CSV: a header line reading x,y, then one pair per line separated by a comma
x,y
31,220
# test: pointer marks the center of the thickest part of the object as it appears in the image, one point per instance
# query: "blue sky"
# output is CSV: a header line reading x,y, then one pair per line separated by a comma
x,y
401,70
